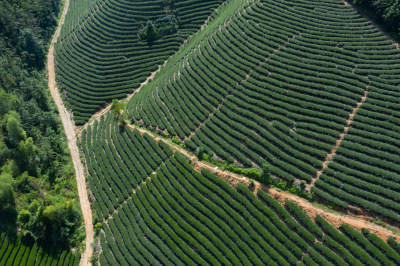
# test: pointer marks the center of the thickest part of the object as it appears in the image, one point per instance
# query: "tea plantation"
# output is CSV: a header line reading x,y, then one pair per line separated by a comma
x,y
308,89
281,82
100,55
23,250
156,209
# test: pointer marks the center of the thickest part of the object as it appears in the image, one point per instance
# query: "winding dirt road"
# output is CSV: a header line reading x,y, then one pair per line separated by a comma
x,y
69,128
357,221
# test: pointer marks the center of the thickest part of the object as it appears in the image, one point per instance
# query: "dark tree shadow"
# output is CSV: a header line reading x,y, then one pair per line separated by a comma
x,y
8,221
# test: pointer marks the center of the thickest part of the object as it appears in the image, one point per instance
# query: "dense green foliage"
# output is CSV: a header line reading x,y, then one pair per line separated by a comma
x,y
157,210
275,83
155,30
25,28
386,12
24,250
108,48
35,165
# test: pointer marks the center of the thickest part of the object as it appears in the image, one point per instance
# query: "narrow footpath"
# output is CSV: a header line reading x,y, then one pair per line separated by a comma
x,y
69,128
329,156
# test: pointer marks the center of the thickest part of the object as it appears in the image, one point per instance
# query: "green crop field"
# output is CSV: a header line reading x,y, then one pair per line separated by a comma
x,y
25,251
302,94
99,54
275,82
157,210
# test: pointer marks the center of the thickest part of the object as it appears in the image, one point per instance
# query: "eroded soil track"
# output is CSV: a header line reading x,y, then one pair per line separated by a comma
x,y
329,156
69,128
357,221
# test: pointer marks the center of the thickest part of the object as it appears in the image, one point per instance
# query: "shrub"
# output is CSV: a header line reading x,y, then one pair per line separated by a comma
x,y
175,140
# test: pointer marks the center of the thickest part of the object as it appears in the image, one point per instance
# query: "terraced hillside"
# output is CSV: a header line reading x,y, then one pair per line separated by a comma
x,y
100,56
157,210
365,170
25,251
295,84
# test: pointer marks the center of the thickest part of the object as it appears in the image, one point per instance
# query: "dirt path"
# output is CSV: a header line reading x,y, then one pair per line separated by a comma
x,y
69,128
357,221
329,156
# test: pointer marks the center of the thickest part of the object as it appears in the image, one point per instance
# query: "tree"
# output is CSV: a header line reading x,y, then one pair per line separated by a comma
x,y
97,228
61,219
152,32
149,33
117,107
26,156
36,226
302,185
265,176
176,140
382,5
6,192
32,49
34,206
7,81
22,183
392,15
123,119
252,186
49,214
387,11
26,111
7,102
200,152
14,128
4,152
24,217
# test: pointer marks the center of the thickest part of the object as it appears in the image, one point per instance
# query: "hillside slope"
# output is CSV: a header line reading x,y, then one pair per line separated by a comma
x,y
286,83
156,209
101,56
